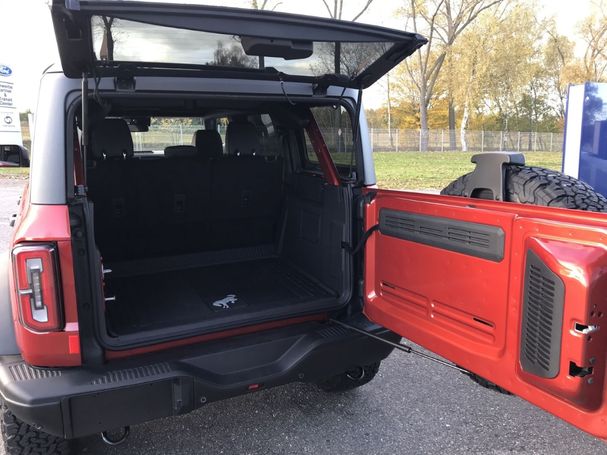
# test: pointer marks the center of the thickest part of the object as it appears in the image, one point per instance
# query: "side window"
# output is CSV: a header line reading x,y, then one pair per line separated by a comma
x,y
335,126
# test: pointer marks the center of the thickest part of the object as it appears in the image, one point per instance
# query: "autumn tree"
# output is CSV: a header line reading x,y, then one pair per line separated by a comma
x,y
558,65
442,22
498,61
593,32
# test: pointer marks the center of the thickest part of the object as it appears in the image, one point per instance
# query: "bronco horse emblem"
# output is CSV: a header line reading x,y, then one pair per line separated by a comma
x,y
224,304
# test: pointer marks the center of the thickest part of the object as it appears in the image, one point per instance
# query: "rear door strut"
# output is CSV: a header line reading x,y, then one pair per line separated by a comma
x,y
402,347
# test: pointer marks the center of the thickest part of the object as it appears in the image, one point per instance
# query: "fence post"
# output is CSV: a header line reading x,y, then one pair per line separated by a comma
x,y
419,148
551,137
372,147
181,134
442,140
397,136
518,142
501,140
482,140
534,142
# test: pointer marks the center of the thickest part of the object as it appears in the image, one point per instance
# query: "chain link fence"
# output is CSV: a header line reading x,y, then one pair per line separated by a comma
x,y
386,140
402,140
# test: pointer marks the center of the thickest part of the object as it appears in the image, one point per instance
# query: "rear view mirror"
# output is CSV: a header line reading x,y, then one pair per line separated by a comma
x,y
270,47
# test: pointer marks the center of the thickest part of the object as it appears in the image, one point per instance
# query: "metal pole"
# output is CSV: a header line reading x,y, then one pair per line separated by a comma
x,y
501,140
551,139
397,136
442,140
372,141
482,140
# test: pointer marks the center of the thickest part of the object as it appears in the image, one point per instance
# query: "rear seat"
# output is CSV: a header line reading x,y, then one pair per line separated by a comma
x,y
109,185
246,191
208,144
180,151
183,203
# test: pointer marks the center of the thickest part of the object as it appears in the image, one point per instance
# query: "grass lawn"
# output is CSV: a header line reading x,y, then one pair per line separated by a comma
x,y
14,172
435,170
403,170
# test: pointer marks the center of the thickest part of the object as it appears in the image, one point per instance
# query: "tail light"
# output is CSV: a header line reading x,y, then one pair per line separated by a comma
x,y
36,282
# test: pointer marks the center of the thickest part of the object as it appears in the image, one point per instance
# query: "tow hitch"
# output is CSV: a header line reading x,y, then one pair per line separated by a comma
x,y
404,348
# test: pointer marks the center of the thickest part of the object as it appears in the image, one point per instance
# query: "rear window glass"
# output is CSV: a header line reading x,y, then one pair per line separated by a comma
x,y
335,124
122,40
165,132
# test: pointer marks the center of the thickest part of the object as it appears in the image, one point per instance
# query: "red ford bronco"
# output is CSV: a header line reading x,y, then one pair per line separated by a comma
x,y
202,221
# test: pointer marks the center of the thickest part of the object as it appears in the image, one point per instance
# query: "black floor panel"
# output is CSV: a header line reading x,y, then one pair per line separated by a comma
x,y
173,298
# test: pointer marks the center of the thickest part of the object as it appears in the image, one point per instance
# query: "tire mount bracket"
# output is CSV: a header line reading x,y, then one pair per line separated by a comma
x,y
490,173
403,347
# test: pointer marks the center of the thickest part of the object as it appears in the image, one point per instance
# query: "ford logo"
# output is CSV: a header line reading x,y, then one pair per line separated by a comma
x,y
5,71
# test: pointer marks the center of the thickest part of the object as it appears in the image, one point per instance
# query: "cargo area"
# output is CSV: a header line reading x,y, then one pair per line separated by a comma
x,y
227,232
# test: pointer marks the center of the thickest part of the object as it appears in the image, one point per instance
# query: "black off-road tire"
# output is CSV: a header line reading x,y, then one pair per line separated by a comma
x,y
351,379
488,384
19,438
537,186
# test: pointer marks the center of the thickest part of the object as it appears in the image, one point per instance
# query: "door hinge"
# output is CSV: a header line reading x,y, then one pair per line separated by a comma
x,y
80,191
365,200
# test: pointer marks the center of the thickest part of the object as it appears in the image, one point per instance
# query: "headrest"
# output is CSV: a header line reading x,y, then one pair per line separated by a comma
x,y
111,138
242,138
208,143
180,151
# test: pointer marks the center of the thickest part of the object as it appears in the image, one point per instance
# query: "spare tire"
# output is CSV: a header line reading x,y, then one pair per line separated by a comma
x,y
539,186
536,186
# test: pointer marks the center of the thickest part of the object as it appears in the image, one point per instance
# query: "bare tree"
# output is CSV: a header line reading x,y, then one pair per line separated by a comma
x,y
337,9
264,4
442,21
107,44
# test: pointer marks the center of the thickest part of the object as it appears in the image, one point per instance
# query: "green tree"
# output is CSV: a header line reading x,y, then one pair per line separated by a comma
x,y
442,22
593,32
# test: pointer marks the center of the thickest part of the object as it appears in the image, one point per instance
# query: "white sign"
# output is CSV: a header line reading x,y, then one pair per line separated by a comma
x,y
10,126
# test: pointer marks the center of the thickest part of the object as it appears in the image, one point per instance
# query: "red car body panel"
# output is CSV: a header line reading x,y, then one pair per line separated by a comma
x,y
469,310
48,224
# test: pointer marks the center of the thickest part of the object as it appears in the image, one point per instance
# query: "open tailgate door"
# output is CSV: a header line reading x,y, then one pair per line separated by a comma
x,y
96,37
514,293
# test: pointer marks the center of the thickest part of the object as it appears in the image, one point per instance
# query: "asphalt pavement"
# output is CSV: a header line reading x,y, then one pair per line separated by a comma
x,y
412,407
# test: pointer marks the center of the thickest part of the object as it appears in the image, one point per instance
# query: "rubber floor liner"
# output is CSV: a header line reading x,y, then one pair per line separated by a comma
x,y
178,297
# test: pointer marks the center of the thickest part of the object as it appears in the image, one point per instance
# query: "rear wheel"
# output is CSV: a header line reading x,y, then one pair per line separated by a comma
x,y
19,438
350,379
537,186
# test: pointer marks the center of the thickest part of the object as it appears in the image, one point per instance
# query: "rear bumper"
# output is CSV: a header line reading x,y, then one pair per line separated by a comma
x,y
78,402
